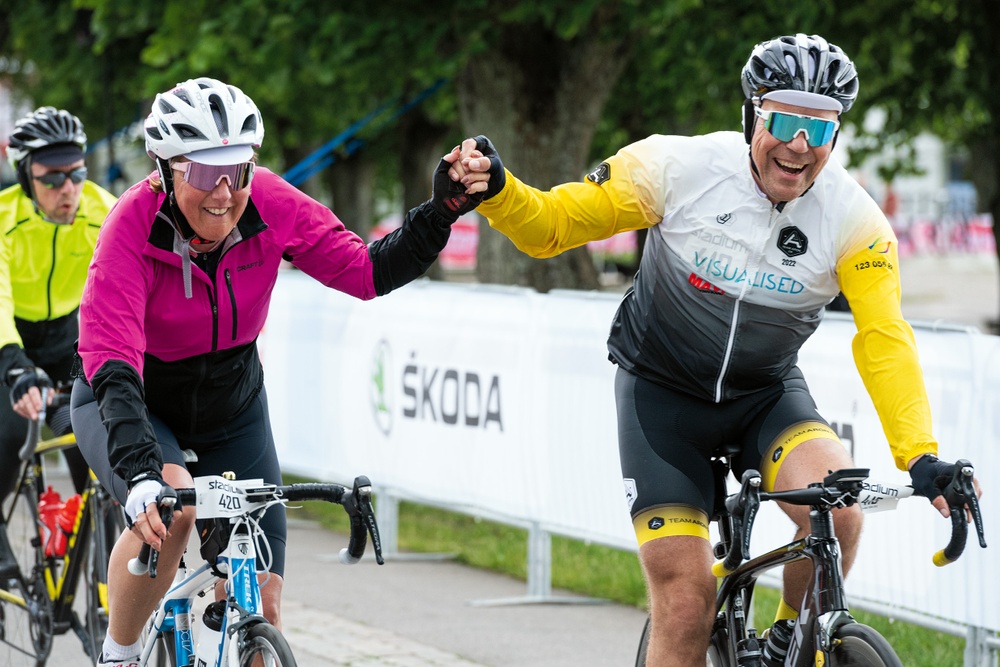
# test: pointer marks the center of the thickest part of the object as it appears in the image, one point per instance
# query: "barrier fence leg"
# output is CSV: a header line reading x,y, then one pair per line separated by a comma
x,y
539,568
981,647
539,563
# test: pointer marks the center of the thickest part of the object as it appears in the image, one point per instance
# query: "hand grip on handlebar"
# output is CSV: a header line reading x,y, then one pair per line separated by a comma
x,y
148,557
960,493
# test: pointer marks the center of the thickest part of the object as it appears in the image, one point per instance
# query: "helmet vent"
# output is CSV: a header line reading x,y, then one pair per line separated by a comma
x,y
219,114
165,107
187,132
249,125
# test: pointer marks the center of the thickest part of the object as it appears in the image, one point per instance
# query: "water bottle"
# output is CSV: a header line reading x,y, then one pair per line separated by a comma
x,y
210,635
67,522
49,505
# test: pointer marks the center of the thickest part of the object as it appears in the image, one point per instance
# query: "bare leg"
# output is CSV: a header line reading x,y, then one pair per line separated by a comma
x,y
681,599
810,462
131,599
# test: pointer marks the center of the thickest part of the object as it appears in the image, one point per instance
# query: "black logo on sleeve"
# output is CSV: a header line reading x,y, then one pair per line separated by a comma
x,y
792,242
656,523
600,174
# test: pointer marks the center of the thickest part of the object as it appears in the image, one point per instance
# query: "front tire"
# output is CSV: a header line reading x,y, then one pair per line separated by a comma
x,y
857,645
266,642
640,658
718,649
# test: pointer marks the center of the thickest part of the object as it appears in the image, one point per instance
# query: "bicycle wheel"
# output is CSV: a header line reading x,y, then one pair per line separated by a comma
x,y
718,649
640,657
25,631
857,645
107,524
264,644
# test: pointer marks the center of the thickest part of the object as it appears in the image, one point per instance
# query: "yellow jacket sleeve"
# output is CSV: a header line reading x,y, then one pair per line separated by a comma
x,y
544,224
885,350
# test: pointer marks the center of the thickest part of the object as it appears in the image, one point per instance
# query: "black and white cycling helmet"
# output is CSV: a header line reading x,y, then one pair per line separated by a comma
x,y
204,120
803,70
48,136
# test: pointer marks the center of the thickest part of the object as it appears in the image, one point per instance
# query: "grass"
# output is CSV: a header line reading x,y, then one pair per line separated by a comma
x,y
597,571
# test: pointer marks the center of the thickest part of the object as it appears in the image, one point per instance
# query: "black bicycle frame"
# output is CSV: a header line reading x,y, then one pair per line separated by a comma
x,y
825,593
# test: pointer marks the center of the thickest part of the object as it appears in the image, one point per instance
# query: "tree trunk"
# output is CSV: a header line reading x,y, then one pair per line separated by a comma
x,y
539,99
986,169
352,182
420,150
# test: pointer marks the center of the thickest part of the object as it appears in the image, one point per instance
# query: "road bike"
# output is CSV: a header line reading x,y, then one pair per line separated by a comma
x,y
39,601
825,633
231,631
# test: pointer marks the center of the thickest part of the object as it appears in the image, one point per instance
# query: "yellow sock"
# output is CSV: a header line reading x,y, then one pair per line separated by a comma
x,y
785,611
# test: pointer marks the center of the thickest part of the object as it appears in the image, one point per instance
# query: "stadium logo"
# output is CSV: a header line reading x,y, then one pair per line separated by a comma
x,y
381,398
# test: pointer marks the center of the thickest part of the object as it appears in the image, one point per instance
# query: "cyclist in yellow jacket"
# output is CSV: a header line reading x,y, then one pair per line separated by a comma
x,y
48,229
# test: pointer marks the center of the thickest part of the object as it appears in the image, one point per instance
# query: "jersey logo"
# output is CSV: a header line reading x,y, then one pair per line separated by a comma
x,y
724,218
880,246
601,174
792,242
631,492
700,283
656,523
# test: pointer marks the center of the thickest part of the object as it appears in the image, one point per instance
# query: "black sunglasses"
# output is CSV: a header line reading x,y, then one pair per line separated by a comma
x,y
55,179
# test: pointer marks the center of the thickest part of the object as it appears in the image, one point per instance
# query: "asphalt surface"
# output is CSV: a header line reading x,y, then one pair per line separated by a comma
x,y
430,612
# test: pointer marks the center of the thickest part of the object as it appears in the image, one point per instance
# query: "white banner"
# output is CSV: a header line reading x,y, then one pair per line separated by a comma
x,y
500,401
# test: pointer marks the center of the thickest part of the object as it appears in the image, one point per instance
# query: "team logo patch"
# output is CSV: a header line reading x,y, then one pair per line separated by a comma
x,y
724,218
631,492
656,523
777,454
792,241
600,174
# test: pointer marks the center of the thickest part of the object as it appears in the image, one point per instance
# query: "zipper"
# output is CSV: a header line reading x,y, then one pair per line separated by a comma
x,y
215,318
232,300
753,266
52,273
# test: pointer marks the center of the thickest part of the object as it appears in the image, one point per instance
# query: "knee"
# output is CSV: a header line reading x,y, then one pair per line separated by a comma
x,y
270,595
847,525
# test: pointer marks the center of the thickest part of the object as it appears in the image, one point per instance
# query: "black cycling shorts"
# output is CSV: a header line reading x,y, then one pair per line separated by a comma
x,y
667,438
244,446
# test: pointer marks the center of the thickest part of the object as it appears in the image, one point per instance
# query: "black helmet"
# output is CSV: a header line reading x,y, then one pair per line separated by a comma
x,y
807,66
49,136
43,127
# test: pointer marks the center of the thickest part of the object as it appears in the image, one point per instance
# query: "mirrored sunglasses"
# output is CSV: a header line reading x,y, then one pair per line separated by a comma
x,y
208,176
56,179
785,126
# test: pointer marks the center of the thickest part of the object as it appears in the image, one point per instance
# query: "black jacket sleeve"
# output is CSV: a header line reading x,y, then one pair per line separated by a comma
x,y
406,253
131,442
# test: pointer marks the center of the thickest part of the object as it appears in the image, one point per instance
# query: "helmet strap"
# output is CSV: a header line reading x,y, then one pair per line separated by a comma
x,y
749,119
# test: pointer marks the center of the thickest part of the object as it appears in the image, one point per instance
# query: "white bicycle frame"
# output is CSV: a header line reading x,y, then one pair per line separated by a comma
x,y
217,497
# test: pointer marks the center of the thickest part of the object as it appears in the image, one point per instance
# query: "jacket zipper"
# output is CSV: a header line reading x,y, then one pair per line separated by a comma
x,y
52,272
753,266
232,300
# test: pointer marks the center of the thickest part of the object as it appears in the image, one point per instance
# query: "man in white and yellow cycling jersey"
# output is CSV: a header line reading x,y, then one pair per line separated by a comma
x,y
48,228
745,249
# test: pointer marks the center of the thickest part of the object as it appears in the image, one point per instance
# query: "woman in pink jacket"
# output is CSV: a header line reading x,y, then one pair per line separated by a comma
x,y
177,294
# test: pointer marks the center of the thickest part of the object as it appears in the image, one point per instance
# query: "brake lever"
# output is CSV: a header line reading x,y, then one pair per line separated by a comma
x,y
368,515
961,493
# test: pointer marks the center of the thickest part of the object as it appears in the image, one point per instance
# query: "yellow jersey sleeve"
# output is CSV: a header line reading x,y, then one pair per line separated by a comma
x,y
885,350
611,200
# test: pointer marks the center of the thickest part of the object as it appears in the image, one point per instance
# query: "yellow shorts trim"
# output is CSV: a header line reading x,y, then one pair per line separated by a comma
x,y
790,438
668,521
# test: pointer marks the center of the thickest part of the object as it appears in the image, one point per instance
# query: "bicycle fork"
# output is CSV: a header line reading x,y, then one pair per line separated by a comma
x,y
824,606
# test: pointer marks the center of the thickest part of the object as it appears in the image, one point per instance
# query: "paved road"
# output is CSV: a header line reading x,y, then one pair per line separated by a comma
x,y
413,613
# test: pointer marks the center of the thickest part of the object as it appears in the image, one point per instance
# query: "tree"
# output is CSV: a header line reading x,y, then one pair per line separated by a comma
x,y
933,67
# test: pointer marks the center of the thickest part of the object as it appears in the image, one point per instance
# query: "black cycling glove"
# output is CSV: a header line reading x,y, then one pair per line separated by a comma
x,y
450,199
21,380
498,177
929,475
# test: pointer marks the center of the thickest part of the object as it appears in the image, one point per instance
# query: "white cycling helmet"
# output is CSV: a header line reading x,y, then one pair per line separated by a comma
x,y
204,120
